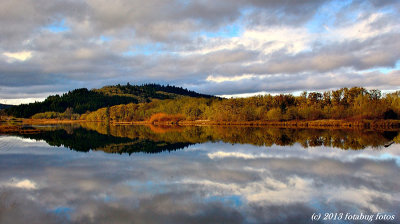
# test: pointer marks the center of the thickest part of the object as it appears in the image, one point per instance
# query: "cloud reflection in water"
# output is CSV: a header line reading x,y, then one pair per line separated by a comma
x,y
205,183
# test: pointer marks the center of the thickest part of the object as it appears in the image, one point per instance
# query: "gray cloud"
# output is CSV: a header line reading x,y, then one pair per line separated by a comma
x,y
22,19
304,81
381,51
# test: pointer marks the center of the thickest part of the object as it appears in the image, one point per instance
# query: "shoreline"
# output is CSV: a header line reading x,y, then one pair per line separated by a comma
x,y
315,124
364,124
294,123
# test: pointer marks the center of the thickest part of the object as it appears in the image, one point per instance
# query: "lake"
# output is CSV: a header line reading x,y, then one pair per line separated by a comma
x,y
97,173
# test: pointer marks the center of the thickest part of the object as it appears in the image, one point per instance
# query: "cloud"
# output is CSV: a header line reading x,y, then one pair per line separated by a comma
x,y
221,154
23,184
20,56
278,83
219,79
195,43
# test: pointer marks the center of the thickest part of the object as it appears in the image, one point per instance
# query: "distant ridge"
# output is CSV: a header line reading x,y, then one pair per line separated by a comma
x,y
5,106
82,100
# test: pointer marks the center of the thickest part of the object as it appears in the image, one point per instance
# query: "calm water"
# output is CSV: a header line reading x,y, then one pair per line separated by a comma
x,y
103,174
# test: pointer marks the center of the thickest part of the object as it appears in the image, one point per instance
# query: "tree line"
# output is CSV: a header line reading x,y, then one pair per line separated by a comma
x,y
355,103
79,100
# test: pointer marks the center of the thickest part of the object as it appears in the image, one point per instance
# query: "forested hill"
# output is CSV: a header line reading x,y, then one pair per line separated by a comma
x,y
82,100
144,93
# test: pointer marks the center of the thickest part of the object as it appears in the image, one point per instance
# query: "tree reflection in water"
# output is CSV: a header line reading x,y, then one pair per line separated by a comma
x,y
154,139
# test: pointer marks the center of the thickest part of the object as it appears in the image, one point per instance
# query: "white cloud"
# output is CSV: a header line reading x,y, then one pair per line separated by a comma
x,y
293,189
218,79
24,184
18,56
222,154
262,38
244,95
269,40
21,100
363,197
365,27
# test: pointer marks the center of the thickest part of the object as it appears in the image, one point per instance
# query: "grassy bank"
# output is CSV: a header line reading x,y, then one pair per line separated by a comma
x,y
18,121
10,125
20,125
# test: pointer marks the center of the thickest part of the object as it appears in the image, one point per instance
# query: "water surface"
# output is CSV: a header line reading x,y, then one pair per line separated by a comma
x,y
94,173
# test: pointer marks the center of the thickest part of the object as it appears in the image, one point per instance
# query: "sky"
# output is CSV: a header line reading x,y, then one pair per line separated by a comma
x,y
224,47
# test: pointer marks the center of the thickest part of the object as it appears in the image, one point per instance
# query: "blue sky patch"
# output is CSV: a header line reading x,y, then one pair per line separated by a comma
x,y
234,200
63,211
105,38
57,27
230,31
324,18
145,49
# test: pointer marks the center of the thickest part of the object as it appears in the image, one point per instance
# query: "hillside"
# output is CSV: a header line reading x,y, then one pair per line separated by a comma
x,y
83,100
147,92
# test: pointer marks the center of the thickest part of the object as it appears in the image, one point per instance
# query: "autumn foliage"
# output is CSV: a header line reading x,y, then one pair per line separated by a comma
x,y
347,104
